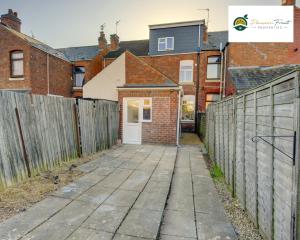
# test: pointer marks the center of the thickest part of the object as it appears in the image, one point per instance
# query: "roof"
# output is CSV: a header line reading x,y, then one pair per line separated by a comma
x,y
37,44
136,77
137,47
249,77
215,39
80,53
177,24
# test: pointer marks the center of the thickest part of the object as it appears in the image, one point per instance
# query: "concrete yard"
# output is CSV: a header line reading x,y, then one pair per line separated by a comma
x,y
134,192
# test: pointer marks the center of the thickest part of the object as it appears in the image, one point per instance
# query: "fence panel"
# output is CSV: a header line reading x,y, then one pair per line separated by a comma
x,y
39,132
254,146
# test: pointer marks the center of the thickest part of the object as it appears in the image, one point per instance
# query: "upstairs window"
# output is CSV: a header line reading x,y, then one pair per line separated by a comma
x,y
166,44
213,68
17,64
186,71
79,73
188,108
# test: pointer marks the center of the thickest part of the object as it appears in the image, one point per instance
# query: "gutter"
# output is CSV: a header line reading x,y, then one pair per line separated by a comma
x,y
148,88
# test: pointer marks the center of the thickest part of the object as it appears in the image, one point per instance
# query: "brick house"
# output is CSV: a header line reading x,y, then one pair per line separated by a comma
x,y
182,52
29,65
185,61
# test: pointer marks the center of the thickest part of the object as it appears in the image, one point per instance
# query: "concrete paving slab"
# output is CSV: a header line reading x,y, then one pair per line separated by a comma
x,y
214,227
141,223
89,234
122,198
96,194
125,237
179,223
106,218
63,223
116,178
21,224
151,201
157,186
103,171
137,181
167,237
208,204
181,202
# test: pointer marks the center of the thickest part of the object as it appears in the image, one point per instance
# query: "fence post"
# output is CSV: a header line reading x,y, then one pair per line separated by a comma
x,y
23,143
77,126
234,126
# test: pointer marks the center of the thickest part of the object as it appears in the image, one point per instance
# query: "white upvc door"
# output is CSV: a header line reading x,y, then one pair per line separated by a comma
x,y
132,122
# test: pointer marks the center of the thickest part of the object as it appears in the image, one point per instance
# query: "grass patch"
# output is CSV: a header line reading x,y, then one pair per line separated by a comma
x,y
216,172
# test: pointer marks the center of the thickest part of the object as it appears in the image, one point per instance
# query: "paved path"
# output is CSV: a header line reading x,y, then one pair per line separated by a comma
x,y
193,210
124,195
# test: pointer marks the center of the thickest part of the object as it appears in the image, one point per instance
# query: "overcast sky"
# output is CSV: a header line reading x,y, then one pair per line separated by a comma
x,y
65,23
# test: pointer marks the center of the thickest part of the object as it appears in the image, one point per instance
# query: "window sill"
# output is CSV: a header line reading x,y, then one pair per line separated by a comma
x,y
213,80
186,83
187,121
16,79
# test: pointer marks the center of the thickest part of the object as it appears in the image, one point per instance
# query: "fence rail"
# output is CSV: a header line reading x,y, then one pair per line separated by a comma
x,y
260,170
39,132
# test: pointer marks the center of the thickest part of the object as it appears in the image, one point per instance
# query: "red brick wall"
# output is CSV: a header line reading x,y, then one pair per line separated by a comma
x,y
35,68
163,128
8,43
60,75
206,87
294,48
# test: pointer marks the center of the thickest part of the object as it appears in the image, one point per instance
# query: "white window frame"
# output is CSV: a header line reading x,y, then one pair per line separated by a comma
x,y
184,63
166,45
188,98
142,110
220,64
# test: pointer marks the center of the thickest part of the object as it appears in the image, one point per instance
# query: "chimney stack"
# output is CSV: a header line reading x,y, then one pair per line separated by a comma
x,y
102,41
114,42
288,2
205,34
11,20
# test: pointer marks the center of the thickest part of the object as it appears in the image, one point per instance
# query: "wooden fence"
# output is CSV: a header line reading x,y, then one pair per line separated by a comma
x,y
254,138
39,132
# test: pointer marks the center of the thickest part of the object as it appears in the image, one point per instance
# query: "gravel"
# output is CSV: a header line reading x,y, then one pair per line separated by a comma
x,y
244,227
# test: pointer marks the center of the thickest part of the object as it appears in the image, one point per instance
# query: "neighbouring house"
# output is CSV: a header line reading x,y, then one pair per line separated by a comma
x,y
262,61
28,65
180,51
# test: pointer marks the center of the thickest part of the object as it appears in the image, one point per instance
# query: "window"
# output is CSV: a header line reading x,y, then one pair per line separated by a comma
x,y
211,98
188,108
165,44
186,71
147,110
213,68
17,64
79,73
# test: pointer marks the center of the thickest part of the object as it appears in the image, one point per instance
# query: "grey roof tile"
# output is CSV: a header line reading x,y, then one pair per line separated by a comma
x,y
137,47
245,78
80,53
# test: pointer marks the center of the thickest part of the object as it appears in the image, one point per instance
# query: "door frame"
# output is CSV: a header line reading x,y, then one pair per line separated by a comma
x,y
124,118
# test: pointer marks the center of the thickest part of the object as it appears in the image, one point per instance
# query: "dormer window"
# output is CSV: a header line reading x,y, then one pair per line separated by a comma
x,y
17,64
166,44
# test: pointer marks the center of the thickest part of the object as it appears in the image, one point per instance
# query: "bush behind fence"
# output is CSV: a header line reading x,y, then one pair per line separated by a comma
x,y
39,132
264,176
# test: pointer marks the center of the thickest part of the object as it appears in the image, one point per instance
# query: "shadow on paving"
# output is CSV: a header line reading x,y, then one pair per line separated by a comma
x,y
123,196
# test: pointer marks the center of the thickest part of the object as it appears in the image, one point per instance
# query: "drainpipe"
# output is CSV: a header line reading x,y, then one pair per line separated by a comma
x,y
178,117
197,80
222,71
48,75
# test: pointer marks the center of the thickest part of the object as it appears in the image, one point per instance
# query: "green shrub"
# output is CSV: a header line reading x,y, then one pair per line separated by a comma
x,y
216,172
